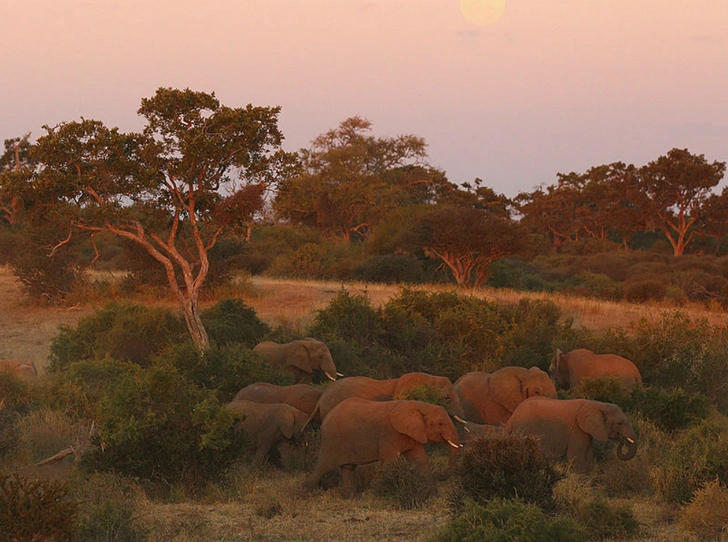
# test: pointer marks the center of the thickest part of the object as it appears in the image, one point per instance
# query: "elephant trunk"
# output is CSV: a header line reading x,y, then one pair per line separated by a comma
x,y
627,448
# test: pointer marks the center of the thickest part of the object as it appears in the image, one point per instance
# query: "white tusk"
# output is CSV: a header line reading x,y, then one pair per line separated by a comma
x,y
630,440
330,377
451,443
458,418
467,429
339,374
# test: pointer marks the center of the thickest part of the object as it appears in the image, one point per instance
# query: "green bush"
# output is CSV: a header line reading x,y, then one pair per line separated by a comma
x,y
400,482
349,317
506,468
644,288
36,510
122,331
606,521
503,520
670,410
159,426
699,455
231,321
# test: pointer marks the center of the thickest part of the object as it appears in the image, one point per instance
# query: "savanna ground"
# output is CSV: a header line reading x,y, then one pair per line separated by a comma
x,y
267,505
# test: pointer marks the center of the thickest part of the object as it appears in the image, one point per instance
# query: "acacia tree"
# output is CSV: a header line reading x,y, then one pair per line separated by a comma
x,y
466,239
197,170
552,211
350,180
676,186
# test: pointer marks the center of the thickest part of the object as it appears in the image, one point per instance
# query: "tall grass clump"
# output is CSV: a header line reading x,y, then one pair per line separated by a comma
x,y
706,515
401,483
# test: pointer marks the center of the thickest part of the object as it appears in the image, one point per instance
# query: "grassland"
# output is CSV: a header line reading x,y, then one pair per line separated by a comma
x,y
267,505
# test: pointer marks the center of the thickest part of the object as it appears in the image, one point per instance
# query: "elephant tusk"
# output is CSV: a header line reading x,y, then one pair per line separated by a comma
x,y
458,418
629,440
339,374
467,429
330,377
451,443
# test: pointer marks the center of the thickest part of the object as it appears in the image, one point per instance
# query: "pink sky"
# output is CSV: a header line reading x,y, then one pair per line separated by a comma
x,y
553,86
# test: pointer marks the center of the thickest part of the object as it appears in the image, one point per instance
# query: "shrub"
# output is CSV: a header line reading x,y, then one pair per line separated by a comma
x,y
122,331
427,393
641,289
706,515
503,520
389,269
670,410
158,426
35,510
509,467
349,317
604,520
400,482
599,286
231,321
699,455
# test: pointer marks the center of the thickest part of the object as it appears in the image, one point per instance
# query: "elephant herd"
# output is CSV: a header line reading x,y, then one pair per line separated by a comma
x,y
365,420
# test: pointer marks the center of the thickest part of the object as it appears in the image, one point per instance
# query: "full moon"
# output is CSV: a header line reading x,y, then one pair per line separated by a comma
x,y
482,12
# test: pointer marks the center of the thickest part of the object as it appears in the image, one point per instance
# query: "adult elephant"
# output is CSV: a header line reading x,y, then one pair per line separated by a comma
x,y
566,428
267,425
300,358
386,390
569,370
22,369
301,396
359,431
491,398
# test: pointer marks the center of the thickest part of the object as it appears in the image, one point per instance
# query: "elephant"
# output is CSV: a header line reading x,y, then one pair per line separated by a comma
x,y
569,370
385,390
491,398
266,425
300,358
566,428
22,369
359,431
301,396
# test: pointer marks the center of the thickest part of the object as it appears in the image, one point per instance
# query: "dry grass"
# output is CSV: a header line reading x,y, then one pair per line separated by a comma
x,y
268,506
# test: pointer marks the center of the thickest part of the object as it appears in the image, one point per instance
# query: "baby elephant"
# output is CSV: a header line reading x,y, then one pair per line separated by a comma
x,y
266,425
359,431
566,428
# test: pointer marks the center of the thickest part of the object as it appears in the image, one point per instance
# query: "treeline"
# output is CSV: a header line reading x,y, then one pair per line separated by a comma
x,y
206,190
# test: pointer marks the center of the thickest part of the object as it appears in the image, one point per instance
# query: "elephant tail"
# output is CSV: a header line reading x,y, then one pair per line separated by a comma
x,y
310,417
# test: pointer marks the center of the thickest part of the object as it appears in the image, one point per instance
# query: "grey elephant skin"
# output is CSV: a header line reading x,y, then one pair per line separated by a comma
x,y
300,358
267,425
491,398
385,390
570,370
566,429
301,396
22,369
358,432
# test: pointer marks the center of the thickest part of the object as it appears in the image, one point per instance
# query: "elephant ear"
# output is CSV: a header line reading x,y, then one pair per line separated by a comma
x,y
591,419
506,388
300,357
407,419
286,421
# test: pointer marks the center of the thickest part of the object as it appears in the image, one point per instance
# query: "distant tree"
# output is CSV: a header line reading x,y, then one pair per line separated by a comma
x,y
552,210
676,187
15,171
714,217
352,180
467,240
199,169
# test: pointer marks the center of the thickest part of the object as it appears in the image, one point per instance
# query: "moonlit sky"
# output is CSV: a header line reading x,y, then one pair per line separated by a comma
x,y
552,86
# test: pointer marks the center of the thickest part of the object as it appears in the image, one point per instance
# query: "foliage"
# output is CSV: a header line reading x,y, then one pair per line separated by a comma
x,y
706,515
606,521
670,410
699,455
506,468
36,510
389,269
231,321
400,482
508,520
157,425
110,521
121,330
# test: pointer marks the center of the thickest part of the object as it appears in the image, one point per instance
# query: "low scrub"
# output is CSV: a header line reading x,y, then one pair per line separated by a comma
x,y
706,515
400,483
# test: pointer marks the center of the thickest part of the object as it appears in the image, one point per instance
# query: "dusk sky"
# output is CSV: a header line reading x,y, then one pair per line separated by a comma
x,y
550,86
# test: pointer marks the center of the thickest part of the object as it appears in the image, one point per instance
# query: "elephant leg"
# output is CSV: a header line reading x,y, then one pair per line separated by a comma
x,y
580,456
348,489
418,456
